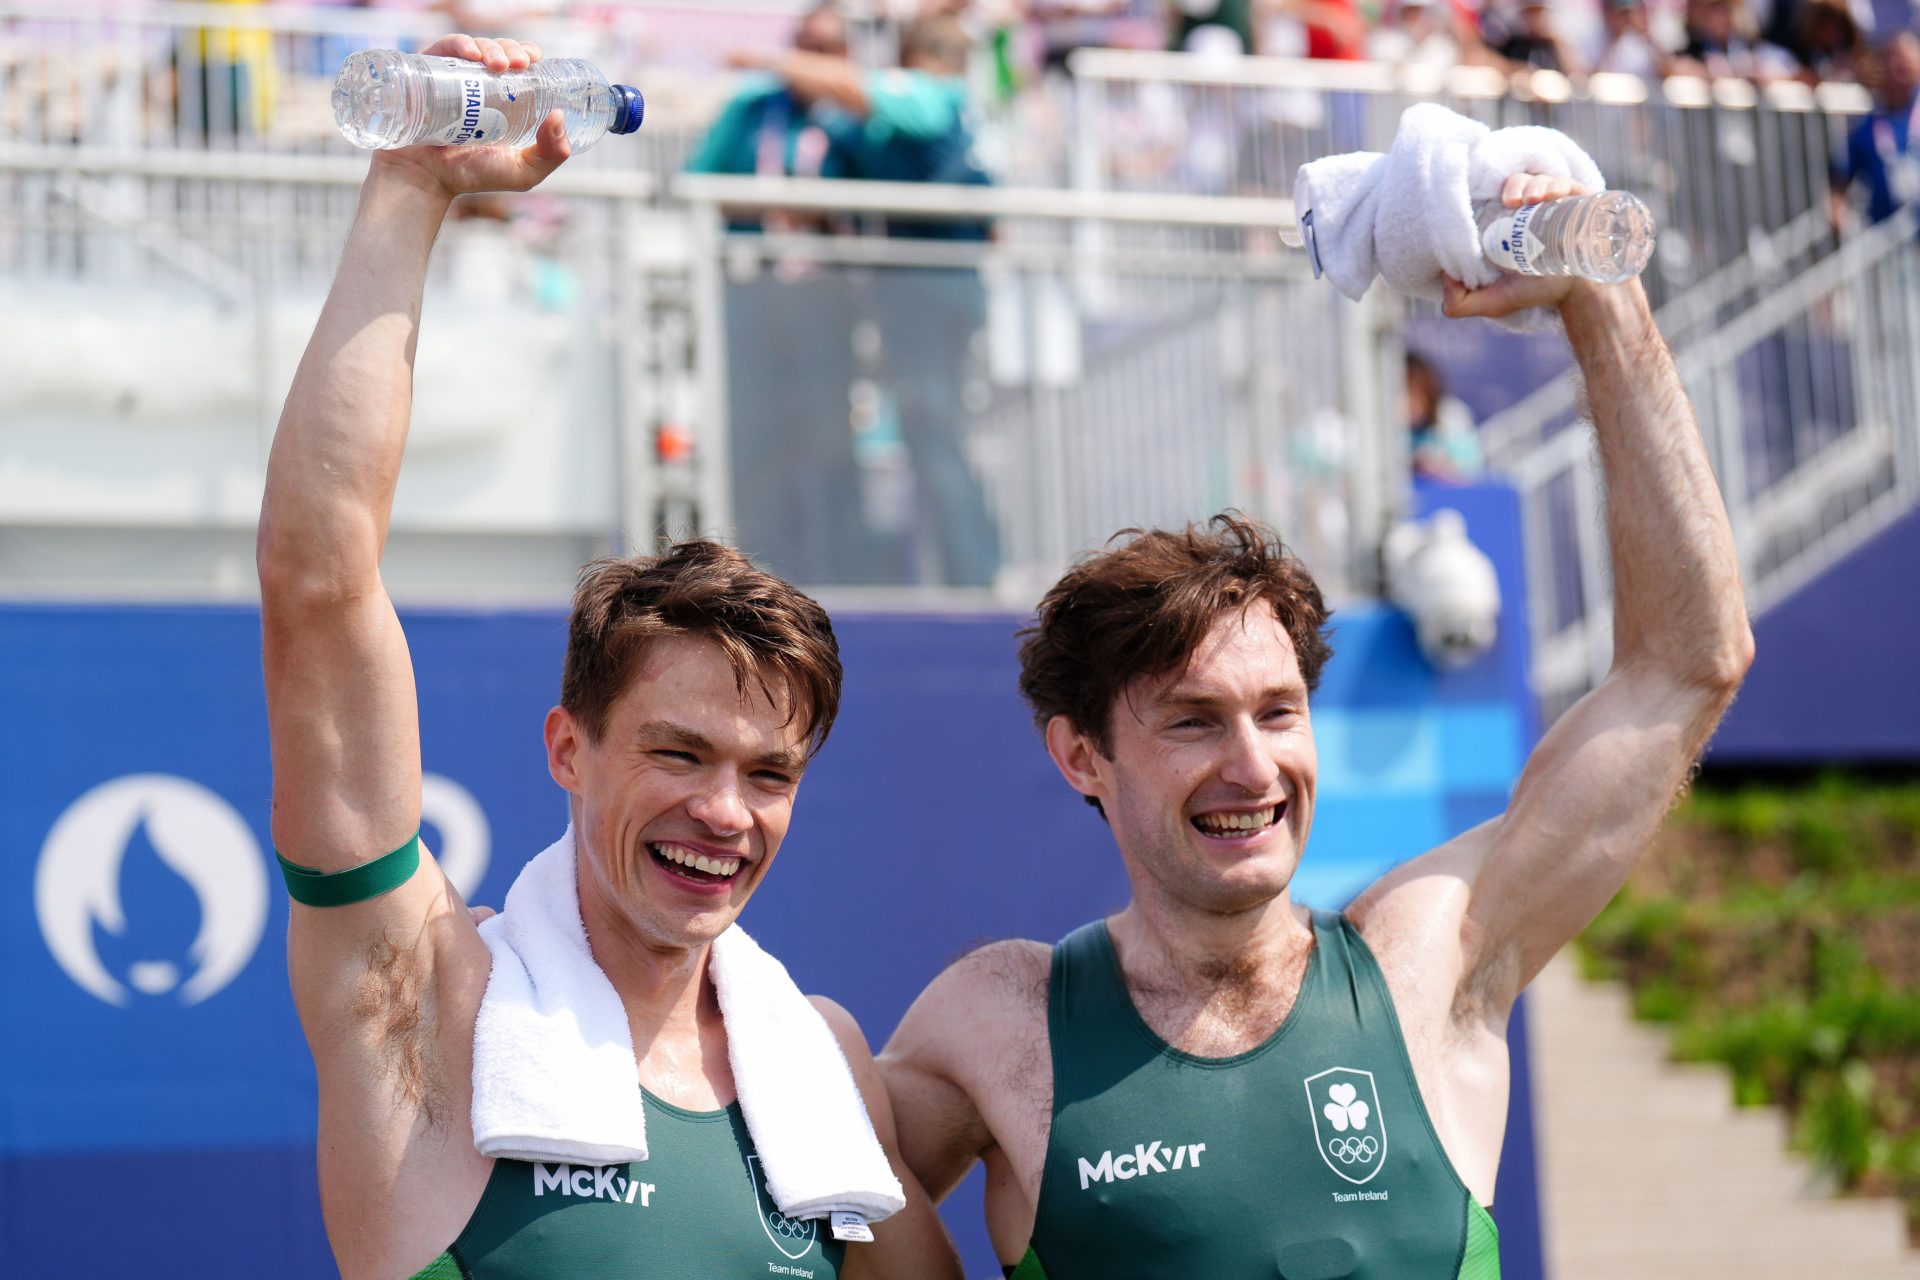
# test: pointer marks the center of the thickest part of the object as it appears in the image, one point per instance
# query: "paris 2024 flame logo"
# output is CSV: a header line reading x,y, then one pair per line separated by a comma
x,y
198,836
174,835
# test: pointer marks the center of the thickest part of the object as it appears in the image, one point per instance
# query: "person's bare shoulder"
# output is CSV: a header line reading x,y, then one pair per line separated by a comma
x,y
845,1027
982,1024
997,987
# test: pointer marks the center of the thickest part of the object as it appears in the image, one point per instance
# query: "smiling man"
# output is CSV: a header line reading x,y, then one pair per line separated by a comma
x,y
1217,1081
696,689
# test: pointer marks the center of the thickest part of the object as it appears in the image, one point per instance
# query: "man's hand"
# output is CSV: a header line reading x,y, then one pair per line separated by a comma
x,y
453,171
752,60
1514,292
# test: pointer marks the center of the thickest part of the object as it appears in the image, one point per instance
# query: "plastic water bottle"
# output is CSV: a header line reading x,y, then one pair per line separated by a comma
x,y
1606,237
385,98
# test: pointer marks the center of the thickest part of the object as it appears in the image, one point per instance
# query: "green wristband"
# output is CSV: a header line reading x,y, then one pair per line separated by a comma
x,y
384,874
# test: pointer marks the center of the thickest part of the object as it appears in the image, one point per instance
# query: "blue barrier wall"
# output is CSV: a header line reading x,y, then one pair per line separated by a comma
x,y
156,1099
1834,679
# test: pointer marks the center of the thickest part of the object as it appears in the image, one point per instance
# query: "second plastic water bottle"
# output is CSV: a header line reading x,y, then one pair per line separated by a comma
x,y
385,98
1607,236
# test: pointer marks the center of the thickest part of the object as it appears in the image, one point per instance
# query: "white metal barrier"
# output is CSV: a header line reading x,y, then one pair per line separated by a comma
x,y
1142,381
1175,362
153,307
1809,400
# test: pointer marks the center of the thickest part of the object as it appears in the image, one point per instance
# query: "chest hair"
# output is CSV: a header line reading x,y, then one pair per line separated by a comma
x,y
1221,1008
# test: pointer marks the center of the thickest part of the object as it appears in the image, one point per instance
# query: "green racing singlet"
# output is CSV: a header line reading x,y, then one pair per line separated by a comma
x,y
1308,1157
695,1209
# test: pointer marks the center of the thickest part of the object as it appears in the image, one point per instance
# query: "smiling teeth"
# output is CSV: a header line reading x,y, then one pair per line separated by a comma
x,y
722,867
1222,823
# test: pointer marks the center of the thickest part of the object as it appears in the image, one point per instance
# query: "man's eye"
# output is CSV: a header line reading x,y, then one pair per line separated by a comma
x,y
681,757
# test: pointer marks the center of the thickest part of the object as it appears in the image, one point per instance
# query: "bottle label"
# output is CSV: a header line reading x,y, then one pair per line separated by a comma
x,y
477,122
1511,243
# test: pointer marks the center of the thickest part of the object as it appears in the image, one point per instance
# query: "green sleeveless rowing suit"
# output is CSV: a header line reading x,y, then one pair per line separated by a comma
x,y
695,1209
1309,1157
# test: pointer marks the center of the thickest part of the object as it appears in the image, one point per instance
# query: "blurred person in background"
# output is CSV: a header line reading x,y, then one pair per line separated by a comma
x,y
1832,43
1723,40
909,124
1418,33
1627,43
1797,27
1441,442
1333,29
1430,33
1205,24
1881,149
1063,26
1526,34
796,501
768,126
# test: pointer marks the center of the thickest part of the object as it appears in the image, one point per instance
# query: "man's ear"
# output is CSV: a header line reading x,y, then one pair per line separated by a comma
x,y
565,738
1077,757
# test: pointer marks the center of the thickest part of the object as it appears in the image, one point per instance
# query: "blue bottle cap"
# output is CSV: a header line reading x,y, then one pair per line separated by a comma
x,y
629,109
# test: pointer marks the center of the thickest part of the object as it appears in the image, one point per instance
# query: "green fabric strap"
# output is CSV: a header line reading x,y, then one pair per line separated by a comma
x,y
444,1267
1480,1260
384,874
1029,1268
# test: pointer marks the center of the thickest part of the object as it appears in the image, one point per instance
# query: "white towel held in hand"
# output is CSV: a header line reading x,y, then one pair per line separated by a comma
x,y
555,1079
1408,216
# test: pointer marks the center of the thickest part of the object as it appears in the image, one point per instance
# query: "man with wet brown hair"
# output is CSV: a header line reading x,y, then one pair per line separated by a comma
x,y
697,689
1217,1081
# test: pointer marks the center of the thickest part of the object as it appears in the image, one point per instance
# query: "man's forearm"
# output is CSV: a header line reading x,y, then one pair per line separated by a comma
x,y
336,455
1676,577
837,80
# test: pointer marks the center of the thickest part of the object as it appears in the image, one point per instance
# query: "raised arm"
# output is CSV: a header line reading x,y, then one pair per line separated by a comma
x,y
814,76
1597,787
368,978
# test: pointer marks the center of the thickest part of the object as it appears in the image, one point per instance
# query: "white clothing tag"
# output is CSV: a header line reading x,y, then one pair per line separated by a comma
x,y
851,1226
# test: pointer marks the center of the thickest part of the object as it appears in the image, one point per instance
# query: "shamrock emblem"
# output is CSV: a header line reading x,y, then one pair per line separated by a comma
x,y
1346,1110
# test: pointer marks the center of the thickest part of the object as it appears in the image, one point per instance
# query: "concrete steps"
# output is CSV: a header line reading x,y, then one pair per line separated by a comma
x,y
1647,1168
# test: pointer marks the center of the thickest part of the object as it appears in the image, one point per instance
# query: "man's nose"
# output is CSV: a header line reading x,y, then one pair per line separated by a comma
x,y
1250,764
721,808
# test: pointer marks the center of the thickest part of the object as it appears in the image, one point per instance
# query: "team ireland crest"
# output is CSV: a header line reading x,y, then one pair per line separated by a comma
x,y
793,1237
1347,1124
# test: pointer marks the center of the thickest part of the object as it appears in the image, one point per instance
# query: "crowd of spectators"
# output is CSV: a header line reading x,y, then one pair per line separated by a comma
x,y
1762,40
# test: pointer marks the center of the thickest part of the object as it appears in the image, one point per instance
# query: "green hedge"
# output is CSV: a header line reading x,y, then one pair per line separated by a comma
x,y
1776,928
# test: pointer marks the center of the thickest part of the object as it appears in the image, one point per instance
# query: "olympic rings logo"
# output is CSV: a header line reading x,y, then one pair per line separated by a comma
x,y
1349,1150
791,1228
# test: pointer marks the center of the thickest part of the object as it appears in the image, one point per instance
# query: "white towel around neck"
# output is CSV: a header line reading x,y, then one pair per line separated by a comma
x,y
555,1078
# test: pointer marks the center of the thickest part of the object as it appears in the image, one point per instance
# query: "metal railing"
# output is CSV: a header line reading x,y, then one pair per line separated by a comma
x,y
153,340
1134,360
1140,360
1809,401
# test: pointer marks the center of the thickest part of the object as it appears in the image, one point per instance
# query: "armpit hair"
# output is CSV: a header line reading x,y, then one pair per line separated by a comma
x,y
389,1006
